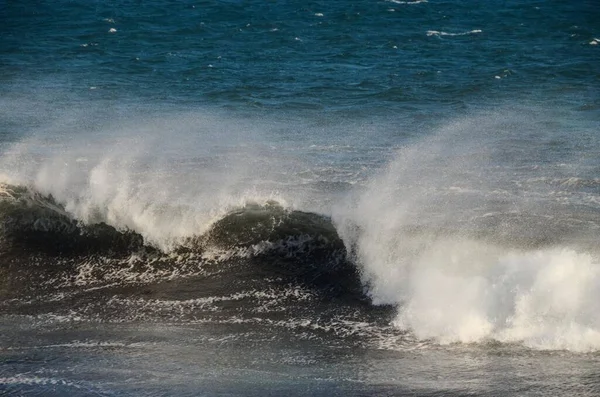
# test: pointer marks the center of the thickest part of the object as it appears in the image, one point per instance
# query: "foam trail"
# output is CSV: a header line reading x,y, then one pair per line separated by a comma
x,y
439,33
407,2
450,234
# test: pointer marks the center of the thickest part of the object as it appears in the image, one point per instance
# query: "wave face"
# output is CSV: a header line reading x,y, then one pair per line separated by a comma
x,y
269,240
36,221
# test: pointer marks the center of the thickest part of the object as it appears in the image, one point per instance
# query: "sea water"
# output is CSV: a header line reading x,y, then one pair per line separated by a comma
x,y
300,198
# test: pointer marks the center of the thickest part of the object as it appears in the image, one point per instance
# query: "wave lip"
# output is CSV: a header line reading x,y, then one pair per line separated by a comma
x,y
296,245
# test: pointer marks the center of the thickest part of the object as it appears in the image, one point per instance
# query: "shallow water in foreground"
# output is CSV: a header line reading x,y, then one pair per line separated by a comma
x,y
142,358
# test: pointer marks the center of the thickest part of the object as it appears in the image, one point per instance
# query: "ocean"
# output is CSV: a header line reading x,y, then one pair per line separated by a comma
x,y
301,198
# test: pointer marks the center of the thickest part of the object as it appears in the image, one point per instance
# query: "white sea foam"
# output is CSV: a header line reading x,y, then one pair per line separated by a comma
x,y
439,33
467,292
267,300
133,178
77,345
22,379
409,232
407,2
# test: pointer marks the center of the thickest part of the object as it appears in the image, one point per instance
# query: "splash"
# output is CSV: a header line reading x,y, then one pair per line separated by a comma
x,y
468,253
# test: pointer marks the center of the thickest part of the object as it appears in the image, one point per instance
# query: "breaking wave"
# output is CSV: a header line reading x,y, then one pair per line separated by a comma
x,y
467,255
278,242
462,246
37,222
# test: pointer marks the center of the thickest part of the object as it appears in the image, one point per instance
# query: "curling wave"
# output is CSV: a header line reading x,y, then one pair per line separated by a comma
x,y
296,246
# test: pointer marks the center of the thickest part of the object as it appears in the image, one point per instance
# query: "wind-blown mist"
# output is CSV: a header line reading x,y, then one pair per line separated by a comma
x,y
129,176
472,247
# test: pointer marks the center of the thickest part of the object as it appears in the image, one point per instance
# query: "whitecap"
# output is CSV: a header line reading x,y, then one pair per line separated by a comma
x,y
440,33
407,2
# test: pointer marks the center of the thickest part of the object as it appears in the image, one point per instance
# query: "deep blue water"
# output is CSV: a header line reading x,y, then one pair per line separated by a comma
x,y
358,56
303,198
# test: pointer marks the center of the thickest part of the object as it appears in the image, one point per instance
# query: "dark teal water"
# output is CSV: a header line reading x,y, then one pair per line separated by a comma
x,y
359,56
302,198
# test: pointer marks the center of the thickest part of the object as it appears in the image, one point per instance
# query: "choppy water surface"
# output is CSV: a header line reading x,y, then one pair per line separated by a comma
x,y
304,198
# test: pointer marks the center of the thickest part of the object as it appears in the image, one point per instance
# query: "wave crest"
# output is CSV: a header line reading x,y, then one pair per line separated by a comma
x,y
34,223
269,240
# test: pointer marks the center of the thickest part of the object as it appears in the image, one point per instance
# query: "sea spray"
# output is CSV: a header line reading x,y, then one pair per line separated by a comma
x,y
467,252
132,179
